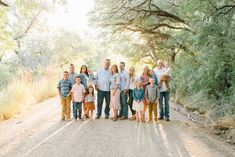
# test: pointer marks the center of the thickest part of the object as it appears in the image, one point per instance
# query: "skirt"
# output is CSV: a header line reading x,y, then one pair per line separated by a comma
x,y
115,100
138,106
90,106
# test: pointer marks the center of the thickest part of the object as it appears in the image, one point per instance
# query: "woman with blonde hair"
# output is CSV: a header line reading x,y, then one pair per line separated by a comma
x,y
115,91
132,86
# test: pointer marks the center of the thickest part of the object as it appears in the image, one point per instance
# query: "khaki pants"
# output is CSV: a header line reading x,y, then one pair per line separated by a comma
x,y
66,108
152,109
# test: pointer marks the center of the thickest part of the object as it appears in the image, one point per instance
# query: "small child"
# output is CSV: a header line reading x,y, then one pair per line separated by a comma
x,y
78,93
138,104
166,77
152,97
89,102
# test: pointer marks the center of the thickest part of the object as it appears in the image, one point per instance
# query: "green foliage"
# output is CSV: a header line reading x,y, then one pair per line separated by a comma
x,y
201,46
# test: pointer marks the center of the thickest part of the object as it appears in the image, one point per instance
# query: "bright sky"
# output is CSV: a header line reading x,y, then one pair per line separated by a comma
x,y
72,16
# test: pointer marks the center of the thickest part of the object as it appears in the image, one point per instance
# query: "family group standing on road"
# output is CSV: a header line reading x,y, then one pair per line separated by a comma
x,y
119,88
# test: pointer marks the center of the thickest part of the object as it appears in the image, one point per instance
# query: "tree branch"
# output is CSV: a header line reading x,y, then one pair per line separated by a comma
x,y
3,4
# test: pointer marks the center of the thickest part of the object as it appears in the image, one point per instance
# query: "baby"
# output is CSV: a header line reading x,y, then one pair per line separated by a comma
x,y
166,76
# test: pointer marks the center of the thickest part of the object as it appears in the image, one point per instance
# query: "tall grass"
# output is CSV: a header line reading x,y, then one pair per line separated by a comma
x,y
26,90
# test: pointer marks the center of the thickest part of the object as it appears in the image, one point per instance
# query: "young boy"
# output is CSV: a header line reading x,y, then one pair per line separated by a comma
x,y
152,97
78,94
166,76
64,88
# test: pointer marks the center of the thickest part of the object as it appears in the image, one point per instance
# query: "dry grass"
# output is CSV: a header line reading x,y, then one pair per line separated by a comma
x,y
27,90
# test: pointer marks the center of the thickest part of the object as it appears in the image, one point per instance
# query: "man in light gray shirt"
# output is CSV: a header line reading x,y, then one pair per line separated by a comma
x,y
103,89
72,74
124,86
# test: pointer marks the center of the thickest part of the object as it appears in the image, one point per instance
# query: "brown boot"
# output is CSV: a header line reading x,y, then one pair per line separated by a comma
x,y
133,117
115,118
143,118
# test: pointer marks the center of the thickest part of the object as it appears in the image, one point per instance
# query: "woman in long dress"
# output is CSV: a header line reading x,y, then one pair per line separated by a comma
x,y
115,91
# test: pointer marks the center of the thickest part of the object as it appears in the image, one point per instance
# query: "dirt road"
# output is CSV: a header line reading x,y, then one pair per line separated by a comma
x,y
39,133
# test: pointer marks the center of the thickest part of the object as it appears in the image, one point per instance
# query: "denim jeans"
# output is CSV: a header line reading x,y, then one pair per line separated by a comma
x,y
130,102
166,96
101,95
77,110
124,106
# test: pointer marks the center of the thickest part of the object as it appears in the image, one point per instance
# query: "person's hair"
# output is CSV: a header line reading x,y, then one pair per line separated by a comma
x,y
151,79
147,69
123,63
78,76
159,61
71,64
66,72
107,59
115,67
138,81
86,69
92,90
133,70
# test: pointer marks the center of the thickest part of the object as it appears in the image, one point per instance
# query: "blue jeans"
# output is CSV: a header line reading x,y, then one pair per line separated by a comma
x,y
101,95
77,110
124,105
166,96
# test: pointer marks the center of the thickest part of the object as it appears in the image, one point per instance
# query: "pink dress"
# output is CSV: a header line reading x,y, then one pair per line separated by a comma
x,y
144,79
115,99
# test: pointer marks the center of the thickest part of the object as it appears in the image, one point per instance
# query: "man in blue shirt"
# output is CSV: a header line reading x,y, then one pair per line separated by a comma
x,y
103,89
124,86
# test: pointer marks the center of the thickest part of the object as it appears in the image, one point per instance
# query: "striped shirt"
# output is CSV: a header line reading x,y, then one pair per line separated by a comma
x,y
65,87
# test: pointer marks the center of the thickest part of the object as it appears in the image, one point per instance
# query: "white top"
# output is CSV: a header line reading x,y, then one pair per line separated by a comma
x,y
159,73
90,98
124,80
78,91
133,83
168,72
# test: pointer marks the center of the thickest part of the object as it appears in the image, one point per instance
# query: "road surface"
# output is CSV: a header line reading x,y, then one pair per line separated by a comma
x,y
39,133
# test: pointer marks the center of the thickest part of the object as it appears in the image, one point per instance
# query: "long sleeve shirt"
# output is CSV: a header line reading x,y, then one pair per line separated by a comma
x,y
124,80
138,94
151,93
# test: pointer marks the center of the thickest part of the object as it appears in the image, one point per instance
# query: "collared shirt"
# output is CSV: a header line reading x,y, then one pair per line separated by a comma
x,y
168,72
72,77
64,86
114,80
124,80
154,76
103,79
151,93
138,94
90,98
133,83
159,73
78,91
